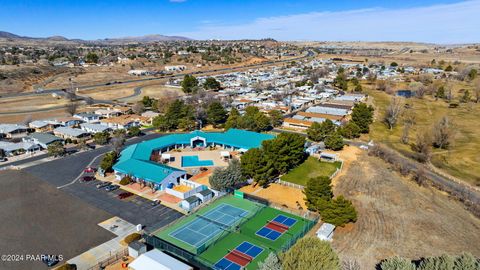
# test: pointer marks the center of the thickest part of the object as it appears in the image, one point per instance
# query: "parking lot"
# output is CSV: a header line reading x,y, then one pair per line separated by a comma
x,y
134,209
38,219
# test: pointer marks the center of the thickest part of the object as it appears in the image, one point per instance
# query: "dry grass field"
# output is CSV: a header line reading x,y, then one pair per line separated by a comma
x,y
20,104
462,159
397,217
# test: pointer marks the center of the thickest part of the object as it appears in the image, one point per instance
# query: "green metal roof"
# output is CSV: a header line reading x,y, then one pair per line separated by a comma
x,y
135,159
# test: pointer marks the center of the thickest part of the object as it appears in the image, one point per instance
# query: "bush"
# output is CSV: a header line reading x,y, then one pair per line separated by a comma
x,y
68,140
125,180
132,237
67,266
311,253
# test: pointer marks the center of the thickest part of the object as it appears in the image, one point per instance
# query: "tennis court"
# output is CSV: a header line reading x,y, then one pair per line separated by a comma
x,y
239,257
222,235
207,226
276,227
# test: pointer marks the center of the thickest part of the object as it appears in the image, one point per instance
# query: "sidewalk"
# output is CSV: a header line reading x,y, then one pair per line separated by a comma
x,y
146,192
103,251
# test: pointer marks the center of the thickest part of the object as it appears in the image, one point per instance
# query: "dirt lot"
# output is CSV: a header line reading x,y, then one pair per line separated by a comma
x,y
19,104
395,216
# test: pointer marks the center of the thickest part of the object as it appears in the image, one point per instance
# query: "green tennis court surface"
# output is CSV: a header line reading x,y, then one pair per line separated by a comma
x,y
218,232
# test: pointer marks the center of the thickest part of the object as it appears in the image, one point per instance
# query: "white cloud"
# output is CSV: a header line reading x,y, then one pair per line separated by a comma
x,y
446,23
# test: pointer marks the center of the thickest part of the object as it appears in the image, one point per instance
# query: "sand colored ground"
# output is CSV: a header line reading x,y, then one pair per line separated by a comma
x,y
278,194
396,217
182,188
348,155
20,104
108,92
202,178
157,91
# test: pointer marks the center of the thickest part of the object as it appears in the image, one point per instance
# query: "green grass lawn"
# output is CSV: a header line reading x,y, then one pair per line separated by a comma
x,y
311,168
462,159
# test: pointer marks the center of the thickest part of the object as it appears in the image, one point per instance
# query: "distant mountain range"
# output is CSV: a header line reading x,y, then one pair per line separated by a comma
x,y
141,39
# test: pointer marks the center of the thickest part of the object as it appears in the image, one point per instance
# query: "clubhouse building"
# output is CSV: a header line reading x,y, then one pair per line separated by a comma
x,y
139,160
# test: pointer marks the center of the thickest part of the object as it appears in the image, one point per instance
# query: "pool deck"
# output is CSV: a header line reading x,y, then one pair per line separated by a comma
x,y
213,155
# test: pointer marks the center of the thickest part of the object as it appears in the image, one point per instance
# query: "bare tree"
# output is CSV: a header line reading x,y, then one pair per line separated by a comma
x,y
405,133
138,108
27,120
393,112
476,90
443,133
420,175
118,140
71,108
423,145
350,264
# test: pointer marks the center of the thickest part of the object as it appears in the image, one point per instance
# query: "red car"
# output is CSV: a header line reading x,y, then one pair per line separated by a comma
x,y
88,178
124,195
90,170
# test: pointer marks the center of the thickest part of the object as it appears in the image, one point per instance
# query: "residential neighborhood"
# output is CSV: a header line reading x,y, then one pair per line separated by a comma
x,y
240,135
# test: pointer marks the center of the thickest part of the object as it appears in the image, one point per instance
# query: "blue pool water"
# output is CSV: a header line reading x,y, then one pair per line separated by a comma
x,y
193,161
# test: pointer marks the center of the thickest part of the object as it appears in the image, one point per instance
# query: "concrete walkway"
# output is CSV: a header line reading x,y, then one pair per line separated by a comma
x,y
90,258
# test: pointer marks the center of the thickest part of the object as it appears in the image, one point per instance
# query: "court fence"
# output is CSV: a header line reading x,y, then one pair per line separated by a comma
x,y
112,258
178,253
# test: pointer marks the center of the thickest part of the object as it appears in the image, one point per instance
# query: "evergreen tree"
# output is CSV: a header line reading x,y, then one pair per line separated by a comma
x,y
108,161
334,142
350,130
317,188
339,212
211,84
466,262
319,132
397,263
362,115
276,118
216,114
189,84
311,253
233,119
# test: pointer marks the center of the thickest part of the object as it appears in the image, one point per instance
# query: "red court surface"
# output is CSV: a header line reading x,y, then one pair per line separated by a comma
x,y
239,257
277,227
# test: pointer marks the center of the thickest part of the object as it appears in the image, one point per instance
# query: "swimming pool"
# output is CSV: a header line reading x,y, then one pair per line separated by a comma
x,y
193,161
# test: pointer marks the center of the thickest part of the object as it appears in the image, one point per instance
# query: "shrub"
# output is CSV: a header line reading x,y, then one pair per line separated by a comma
x,y
132,237
125,180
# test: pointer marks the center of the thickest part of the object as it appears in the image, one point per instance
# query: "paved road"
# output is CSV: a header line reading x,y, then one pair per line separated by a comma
x,y
84,157
230,69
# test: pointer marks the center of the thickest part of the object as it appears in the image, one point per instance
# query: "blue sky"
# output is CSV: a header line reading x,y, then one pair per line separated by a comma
x,y
349,20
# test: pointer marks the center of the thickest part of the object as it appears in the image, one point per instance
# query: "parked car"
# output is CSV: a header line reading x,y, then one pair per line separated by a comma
x,y
87,178
103,184
90,170
111,187
155,202
124,195
50,260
